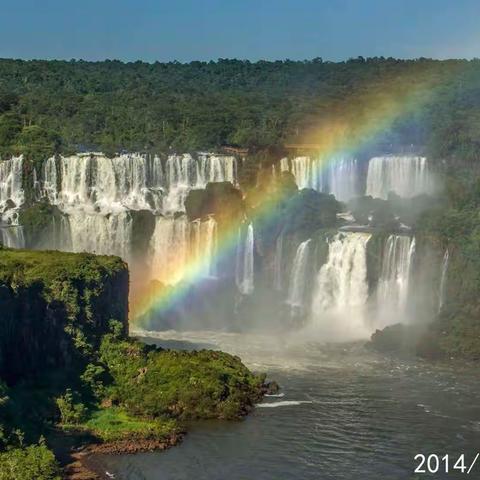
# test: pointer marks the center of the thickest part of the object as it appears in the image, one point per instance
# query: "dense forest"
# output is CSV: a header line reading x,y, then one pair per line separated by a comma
x,y
53,106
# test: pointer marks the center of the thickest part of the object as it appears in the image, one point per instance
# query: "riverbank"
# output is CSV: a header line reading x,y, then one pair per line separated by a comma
x,y
78,463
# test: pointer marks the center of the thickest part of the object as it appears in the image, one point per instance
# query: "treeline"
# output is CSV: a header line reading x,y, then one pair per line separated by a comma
x,y
61,106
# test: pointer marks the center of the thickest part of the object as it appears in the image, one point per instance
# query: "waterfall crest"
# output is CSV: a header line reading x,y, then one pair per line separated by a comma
x,y
341,290
336,175
407,176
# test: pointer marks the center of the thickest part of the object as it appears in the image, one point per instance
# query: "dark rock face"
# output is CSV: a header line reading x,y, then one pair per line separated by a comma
x,y
53,313
143,225
40,221
221,199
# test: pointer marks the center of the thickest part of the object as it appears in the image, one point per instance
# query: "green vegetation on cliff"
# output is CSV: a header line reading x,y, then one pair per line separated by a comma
x,y
70,366
457,228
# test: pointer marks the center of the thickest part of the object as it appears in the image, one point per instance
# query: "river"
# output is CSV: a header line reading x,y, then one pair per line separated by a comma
x,y
344,412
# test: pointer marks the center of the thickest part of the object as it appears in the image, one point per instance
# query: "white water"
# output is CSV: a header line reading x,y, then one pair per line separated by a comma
x,y
244,272
11,191
341,291
184,173
97,193
407,176
132,181
443,281
394,281
298,277
97,183
336,175
97,233
12,237
176,243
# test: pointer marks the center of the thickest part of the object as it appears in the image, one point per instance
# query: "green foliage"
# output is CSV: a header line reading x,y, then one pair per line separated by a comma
x,y
457,227
32,462
204,384
59,105
94,378
111,424
67,300
71,412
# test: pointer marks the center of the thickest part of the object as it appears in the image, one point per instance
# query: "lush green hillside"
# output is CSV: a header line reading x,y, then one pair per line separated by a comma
x,y
47,106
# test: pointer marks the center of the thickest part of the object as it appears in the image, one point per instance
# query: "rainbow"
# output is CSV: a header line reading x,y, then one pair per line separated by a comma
x,y
348,125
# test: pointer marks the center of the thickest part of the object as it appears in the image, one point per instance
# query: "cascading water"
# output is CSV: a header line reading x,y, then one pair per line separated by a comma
x,y
278,264
205,244
336,175
176,243
96,194
342,178
12,237
169,249
101,234
284,165
393,284
11,192
298,278
407,176
443,281
105,184
341,290
185,173
244,272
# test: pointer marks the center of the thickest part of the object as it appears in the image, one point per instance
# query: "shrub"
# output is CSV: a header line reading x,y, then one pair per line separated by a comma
x,y
71,413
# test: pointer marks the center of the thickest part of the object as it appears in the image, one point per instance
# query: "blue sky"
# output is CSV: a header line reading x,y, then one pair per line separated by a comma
x,y
186,30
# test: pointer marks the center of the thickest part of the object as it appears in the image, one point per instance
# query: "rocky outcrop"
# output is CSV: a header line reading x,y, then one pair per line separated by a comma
x,y
221,199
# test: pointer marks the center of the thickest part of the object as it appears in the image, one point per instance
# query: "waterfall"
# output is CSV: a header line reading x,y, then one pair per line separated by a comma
x,y
178,247
298,277
96,194
337,175
11,191
12,237
341,290
169,249
393,284
342,178
217,168
50,181
101,234
131,181
284,165
278,264
244,272
305,173
185,173
104,184
407,176
443,281
206,247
